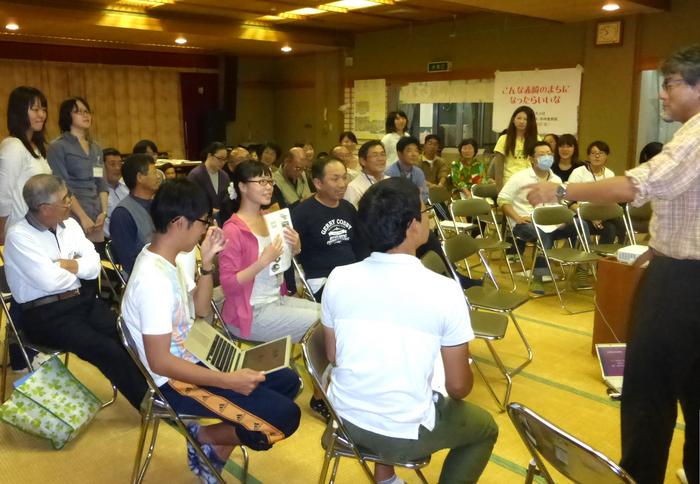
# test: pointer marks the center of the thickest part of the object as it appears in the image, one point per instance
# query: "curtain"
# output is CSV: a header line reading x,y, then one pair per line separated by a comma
x,y
128,103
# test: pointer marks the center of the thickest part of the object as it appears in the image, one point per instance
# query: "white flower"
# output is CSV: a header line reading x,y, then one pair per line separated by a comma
x,y
232,192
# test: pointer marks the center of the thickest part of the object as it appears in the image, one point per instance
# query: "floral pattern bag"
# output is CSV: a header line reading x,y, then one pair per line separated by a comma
x,y
51,403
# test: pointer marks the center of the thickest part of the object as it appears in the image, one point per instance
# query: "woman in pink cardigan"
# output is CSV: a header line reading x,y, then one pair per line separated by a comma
x,y
255,306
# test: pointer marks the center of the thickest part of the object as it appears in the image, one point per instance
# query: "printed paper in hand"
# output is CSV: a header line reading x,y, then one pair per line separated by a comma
x,y
276,222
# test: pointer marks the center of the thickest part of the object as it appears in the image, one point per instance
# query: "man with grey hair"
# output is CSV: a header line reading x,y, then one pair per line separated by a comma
x,y
662,364
235,157
51,269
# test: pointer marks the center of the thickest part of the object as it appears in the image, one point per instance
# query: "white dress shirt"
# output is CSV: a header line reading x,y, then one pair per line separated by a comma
x,y
31,258
512,193
359,186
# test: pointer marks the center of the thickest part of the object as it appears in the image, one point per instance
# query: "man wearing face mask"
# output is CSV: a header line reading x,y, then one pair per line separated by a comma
x,y
513,201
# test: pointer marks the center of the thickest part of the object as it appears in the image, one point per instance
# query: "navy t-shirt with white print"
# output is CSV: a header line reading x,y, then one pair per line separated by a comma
x,y
327,236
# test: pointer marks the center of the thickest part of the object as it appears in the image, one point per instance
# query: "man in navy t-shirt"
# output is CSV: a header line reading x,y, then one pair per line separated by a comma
x,y
326,224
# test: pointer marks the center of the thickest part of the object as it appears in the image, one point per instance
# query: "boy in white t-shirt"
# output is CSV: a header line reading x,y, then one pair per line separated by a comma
x,y
159,306
386,320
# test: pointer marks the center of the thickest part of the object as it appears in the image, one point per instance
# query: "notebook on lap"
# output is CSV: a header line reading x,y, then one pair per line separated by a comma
x,y
220,353
611,358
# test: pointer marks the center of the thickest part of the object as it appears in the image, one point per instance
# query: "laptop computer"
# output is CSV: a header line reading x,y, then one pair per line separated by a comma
x,y
219,353
611,357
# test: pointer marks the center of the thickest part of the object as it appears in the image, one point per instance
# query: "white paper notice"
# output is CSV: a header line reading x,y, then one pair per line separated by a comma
x,y
276,222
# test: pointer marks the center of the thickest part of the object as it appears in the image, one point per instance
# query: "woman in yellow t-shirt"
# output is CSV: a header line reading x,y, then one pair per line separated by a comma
x,y
511,148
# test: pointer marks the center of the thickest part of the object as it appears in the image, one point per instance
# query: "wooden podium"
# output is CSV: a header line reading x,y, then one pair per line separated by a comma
x,y
615,291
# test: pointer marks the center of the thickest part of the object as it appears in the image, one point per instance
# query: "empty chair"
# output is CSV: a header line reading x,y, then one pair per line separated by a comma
x,y
335,440
493,299
440,196
638,219
568,455
566,257
588,212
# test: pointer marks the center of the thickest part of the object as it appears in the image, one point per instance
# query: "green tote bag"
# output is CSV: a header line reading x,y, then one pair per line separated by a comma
x,y
51,403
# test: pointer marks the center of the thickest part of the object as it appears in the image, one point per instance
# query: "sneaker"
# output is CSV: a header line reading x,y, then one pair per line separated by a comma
x,y
205,474
320,409
192,457
536,288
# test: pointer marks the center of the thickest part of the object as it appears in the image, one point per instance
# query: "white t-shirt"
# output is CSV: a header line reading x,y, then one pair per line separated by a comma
x,y
17,166
583,175
390,316
266,286
158,300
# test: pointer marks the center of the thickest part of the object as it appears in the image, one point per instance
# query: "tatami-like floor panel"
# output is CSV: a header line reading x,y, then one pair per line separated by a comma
x,y
563,384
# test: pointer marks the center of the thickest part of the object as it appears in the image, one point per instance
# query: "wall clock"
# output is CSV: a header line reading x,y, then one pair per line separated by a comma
x,y
608,32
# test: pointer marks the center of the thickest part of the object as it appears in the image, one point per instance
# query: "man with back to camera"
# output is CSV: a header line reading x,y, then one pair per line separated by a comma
x,y
381,386
326,224
133,226
408,164
662,364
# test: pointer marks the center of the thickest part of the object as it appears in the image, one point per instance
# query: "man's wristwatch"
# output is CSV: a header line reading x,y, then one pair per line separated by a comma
x,y
561,192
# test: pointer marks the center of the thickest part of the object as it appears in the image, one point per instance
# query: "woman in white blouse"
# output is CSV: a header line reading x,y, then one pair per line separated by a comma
x,y
396,127
595,170
23,153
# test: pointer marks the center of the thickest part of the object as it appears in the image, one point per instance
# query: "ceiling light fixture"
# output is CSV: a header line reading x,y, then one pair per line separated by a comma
x,y
351,4
181,40
286,49
11,26
305,11
611,6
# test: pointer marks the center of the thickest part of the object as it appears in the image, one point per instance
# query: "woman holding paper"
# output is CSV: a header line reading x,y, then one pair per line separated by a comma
x,y
256,305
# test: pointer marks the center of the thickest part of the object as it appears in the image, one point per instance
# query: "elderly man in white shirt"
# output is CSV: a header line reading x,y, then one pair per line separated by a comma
x,y
51,269
513,200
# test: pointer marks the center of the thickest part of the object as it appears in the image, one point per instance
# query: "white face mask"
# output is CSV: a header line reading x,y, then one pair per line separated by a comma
x,y
545,162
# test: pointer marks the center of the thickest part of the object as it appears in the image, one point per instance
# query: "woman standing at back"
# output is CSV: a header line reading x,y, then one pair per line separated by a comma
x,y
511,148
22,155
73,156
396,127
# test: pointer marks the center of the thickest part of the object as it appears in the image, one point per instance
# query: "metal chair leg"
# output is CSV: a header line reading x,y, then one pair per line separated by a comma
x,y
5,364
145,424
326,461
334,472
422,478
244,472
114,398
149,454
530,354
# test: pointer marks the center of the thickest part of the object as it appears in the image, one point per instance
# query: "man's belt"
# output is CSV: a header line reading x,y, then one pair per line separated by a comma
x,y
50,299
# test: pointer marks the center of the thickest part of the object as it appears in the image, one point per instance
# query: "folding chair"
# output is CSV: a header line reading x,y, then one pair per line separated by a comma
x,y
588,212
564,256
15,335
437,195
487,326
638,220
568,455
155,408
489,299
308,292
335,440
479,209
121,274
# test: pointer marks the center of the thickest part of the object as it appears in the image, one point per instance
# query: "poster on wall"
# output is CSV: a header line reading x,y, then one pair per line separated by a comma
x,y
553,94
370,108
